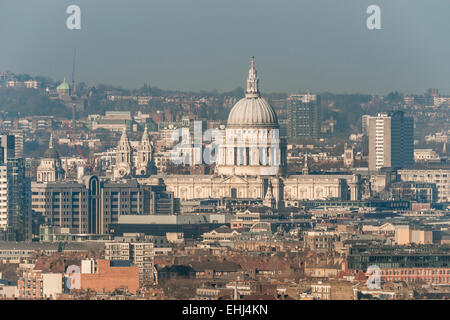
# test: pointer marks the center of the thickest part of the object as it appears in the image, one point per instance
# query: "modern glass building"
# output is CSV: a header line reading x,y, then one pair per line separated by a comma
x,y
360,258
18,201
303,111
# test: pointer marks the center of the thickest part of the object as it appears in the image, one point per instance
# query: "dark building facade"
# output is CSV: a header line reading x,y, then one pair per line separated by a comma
x,y
421,192
62,204
159,202
303,111
92,206
189,231
360,258
7,147
18,202
118,199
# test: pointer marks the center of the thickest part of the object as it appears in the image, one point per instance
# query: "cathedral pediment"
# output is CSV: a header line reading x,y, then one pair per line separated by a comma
x,y
234,179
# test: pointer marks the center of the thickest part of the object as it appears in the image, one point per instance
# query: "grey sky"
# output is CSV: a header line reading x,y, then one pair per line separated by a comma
x,y
316,45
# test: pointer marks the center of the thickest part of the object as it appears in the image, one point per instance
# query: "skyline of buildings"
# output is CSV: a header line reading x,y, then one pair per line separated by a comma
x,y
272,208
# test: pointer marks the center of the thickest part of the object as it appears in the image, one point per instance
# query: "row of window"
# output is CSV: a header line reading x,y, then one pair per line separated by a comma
x,y
416,272
434,280
36,193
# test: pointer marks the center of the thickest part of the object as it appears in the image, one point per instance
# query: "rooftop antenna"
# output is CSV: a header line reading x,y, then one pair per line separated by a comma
x,y
73,69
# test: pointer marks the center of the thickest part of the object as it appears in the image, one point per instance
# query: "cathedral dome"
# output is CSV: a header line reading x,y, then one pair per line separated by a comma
x,y
51,154
252,111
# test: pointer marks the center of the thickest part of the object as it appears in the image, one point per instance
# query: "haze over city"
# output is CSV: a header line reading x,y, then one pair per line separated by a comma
x,y
245,153
204,45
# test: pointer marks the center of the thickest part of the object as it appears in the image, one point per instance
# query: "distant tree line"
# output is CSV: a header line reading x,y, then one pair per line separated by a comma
x,y
28,102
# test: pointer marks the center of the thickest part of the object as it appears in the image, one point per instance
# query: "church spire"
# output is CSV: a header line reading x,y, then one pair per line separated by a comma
x,y
252,81
145,141
269,200
124,143
50,143
145,134
124,134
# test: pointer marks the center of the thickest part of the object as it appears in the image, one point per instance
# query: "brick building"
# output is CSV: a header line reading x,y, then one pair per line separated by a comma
x,y
409,275
140,254
110,276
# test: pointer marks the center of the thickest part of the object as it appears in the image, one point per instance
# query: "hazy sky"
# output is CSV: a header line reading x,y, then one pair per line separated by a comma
x,y
315,45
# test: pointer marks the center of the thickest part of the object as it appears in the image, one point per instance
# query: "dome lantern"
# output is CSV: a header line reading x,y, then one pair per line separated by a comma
x,y
252,111
252,82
